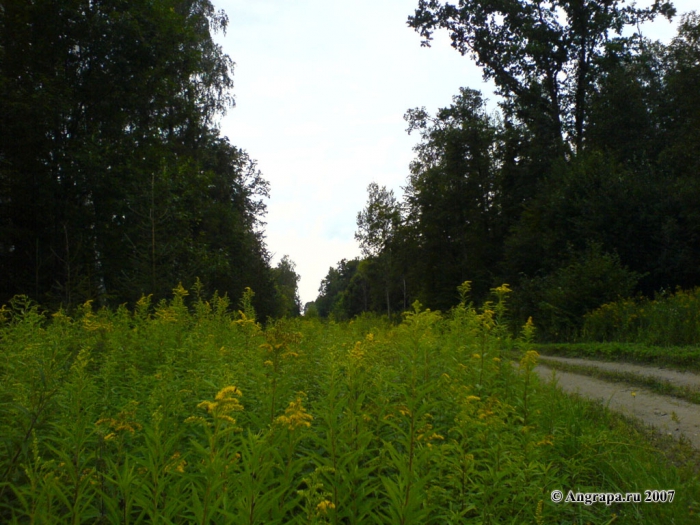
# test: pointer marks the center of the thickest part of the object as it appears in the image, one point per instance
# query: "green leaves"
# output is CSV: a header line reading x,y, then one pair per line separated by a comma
x,y
383,424
543,56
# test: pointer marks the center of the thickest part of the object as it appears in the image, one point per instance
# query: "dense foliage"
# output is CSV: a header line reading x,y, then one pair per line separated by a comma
x,y
184,412
582,188
114,181
670,319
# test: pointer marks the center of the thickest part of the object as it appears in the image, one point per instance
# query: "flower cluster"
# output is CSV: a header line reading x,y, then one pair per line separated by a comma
x,y
122,424
295,415
225,403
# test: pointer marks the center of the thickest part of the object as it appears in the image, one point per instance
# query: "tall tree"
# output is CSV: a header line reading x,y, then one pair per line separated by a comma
x,y
680,107
453,199
113,179
334,288
543,55
680,110
287,281
376,226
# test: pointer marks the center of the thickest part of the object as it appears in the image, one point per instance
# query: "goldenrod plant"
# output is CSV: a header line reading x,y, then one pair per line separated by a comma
x,y
187,412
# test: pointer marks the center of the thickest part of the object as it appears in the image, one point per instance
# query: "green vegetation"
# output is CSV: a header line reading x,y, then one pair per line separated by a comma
x,y
669,320
663,331
184,412
114,179
579,190
114,183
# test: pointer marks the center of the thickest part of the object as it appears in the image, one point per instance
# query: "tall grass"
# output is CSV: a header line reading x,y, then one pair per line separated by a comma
x,y
192,413
667,320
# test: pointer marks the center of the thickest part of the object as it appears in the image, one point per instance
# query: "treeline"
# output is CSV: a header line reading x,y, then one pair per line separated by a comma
x,y
581,188
114,180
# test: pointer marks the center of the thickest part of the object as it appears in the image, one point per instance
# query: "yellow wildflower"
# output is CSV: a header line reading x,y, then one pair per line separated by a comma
x,y
356,354
176,463
124,422
196,419
324,506
528,331
295,415
529,360
538,513
167,315
59,316
91,322
426,433
209,406
224,403
484,414
224,392
504,288
547,440
180,291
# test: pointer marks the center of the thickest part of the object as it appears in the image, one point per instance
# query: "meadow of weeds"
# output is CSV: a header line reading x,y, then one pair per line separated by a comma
x,y
189,412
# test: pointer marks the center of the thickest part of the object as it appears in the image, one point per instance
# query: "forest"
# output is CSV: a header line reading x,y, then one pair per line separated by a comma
x,y
580,189
114,179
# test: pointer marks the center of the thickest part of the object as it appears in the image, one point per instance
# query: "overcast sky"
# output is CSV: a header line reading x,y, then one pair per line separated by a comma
x,y
321,87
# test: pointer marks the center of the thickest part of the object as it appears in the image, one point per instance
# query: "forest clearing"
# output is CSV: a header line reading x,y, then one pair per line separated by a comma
x,y
186,412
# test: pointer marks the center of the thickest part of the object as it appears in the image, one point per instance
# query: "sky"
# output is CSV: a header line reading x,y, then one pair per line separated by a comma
x,y
321,88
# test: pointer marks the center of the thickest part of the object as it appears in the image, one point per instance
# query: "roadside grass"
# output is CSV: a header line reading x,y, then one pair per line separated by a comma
x,y
679,453
189,411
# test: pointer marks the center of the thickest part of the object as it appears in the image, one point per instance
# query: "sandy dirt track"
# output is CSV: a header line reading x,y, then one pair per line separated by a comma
x,y
668,414
675,377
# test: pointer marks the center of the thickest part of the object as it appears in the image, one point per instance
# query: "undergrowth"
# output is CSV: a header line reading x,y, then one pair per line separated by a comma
x,y
189,412
670,319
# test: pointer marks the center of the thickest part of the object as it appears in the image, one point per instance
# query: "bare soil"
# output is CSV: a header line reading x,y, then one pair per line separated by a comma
x,y
667,414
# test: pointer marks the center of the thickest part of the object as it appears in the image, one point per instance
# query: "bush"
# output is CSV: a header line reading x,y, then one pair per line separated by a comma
x,y
559,301
669,319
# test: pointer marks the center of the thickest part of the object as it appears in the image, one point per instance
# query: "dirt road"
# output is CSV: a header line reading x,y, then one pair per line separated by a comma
x,y
669,415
